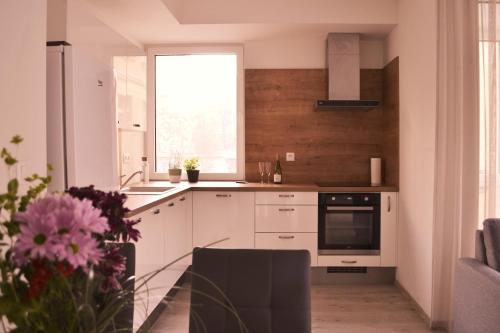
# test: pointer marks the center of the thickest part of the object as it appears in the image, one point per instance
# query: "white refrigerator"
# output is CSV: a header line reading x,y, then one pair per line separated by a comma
x,y
81,119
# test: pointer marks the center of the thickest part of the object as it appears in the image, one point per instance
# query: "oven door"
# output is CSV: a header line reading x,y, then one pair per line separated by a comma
x,y
349,230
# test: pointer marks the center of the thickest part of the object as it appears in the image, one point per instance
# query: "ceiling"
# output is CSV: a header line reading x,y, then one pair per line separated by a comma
x,y
149,22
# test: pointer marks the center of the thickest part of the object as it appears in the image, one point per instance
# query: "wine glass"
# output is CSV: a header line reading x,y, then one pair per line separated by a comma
x,y
261,171
268,170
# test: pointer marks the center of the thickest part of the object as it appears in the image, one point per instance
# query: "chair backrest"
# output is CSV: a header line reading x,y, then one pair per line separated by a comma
x,y
269,289
124,320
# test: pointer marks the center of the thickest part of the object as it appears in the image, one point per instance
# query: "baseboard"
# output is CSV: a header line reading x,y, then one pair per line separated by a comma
x,y
373,275
414,303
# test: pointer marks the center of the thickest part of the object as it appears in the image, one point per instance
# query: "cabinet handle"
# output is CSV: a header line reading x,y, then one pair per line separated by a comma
x,y
137,125
156,211
286,209
389,203
286,195
182,199
349,261
286,237
223,195
171,204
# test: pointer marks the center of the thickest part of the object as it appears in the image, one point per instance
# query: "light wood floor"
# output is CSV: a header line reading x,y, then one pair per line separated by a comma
x,y
335,308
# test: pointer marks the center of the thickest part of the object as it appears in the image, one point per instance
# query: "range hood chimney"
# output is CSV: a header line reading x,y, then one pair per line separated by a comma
x,y
342,56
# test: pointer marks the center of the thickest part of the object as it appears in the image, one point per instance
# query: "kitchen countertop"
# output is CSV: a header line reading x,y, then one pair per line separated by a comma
x,y
138,203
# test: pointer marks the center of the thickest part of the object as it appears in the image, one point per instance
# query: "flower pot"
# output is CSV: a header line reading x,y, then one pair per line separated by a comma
x,y
193,175
174,175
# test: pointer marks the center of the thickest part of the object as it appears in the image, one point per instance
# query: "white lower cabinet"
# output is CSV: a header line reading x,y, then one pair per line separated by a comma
x,y
349,261
166,235
287,221
150,256
286,218
289,241
388,228
223,214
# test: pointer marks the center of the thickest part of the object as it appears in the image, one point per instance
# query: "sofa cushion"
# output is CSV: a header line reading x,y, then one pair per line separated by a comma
x,y
480,249
491,233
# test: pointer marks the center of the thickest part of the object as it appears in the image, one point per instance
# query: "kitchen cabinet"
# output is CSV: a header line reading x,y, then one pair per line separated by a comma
x,y
289,241
349,261
223,214
166,235
179,232
286,218
131,106
388,228
286,198
150,256
287,221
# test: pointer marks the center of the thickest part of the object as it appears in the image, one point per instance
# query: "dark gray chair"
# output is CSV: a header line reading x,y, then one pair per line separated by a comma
x,y
476,298
124,320
269,289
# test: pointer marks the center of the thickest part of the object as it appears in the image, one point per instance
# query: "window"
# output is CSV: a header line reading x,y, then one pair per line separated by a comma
x,y
489,84
196,110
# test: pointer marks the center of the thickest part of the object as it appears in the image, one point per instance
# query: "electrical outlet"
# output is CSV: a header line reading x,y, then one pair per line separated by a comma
x,y
290,157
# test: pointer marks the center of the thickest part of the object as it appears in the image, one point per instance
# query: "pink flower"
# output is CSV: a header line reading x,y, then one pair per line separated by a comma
x,y
80,249
60,227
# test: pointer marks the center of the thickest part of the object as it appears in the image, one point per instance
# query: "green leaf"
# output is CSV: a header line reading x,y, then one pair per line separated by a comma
x,y
7,157
13,228
13,186
16,139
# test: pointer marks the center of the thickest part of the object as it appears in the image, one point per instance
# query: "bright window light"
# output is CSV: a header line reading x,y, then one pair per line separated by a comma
x,y
196,111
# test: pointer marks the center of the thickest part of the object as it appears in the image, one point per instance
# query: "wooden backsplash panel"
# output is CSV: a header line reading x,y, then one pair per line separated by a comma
x,y
329,145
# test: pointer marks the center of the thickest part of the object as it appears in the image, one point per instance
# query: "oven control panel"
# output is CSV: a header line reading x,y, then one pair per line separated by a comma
x,y
349,199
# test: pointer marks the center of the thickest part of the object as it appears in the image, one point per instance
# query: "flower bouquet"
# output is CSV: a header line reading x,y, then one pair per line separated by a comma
x,y
60,262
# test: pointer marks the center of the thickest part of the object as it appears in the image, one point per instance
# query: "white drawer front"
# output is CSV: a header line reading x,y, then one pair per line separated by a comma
x,y
286,218
286,198
289,241
364,261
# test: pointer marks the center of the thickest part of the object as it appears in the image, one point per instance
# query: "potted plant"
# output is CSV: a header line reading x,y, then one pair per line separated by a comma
x,y
191,165
174,168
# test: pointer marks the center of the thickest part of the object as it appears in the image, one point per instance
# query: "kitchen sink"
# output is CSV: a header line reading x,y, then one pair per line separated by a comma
x,y
146,190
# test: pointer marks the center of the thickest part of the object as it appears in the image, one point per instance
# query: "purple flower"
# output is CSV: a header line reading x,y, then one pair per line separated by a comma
x,y
60,227
112,206
111,267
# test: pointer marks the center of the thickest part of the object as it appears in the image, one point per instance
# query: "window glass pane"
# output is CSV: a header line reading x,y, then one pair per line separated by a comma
x,y
196,110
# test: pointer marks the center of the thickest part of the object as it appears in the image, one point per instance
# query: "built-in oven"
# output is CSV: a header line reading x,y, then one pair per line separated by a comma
x,y
349,224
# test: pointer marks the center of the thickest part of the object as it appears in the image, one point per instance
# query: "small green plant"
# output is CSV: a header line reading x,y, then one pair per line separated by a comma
x,y
192,163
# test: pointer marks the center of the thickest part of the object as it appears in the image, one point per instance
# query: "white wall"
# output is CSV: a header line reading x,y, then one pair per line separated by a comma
x,y
305,51
56,20
22,82
414,40
132,144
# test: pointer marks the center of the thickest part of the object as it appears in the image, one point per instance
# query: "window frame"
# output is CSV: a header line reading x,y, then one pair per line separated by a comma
x,y
235,49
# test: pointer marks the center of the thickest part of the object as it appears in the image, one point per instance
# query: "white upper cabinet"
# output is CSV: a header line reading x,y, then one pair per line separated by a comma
x,y
389,228
221,214
131,106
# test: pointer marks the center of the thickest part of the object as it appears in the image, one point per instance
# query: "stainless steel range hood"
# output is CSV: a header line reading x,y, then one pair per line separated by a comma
x,y
343,74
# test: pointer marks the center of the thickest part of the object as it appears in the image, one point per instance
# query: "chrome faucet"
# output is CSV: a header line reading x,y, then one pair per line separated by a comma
x,y
129,178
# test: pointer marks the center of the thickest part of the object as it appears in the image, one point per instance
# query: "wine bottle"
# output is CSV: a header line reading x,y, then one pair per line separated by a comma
x,y
277,170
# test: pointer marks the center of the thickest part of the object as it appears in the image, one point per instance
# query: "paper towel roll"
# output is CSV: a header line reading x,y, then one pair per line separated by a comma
x,y
376,171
